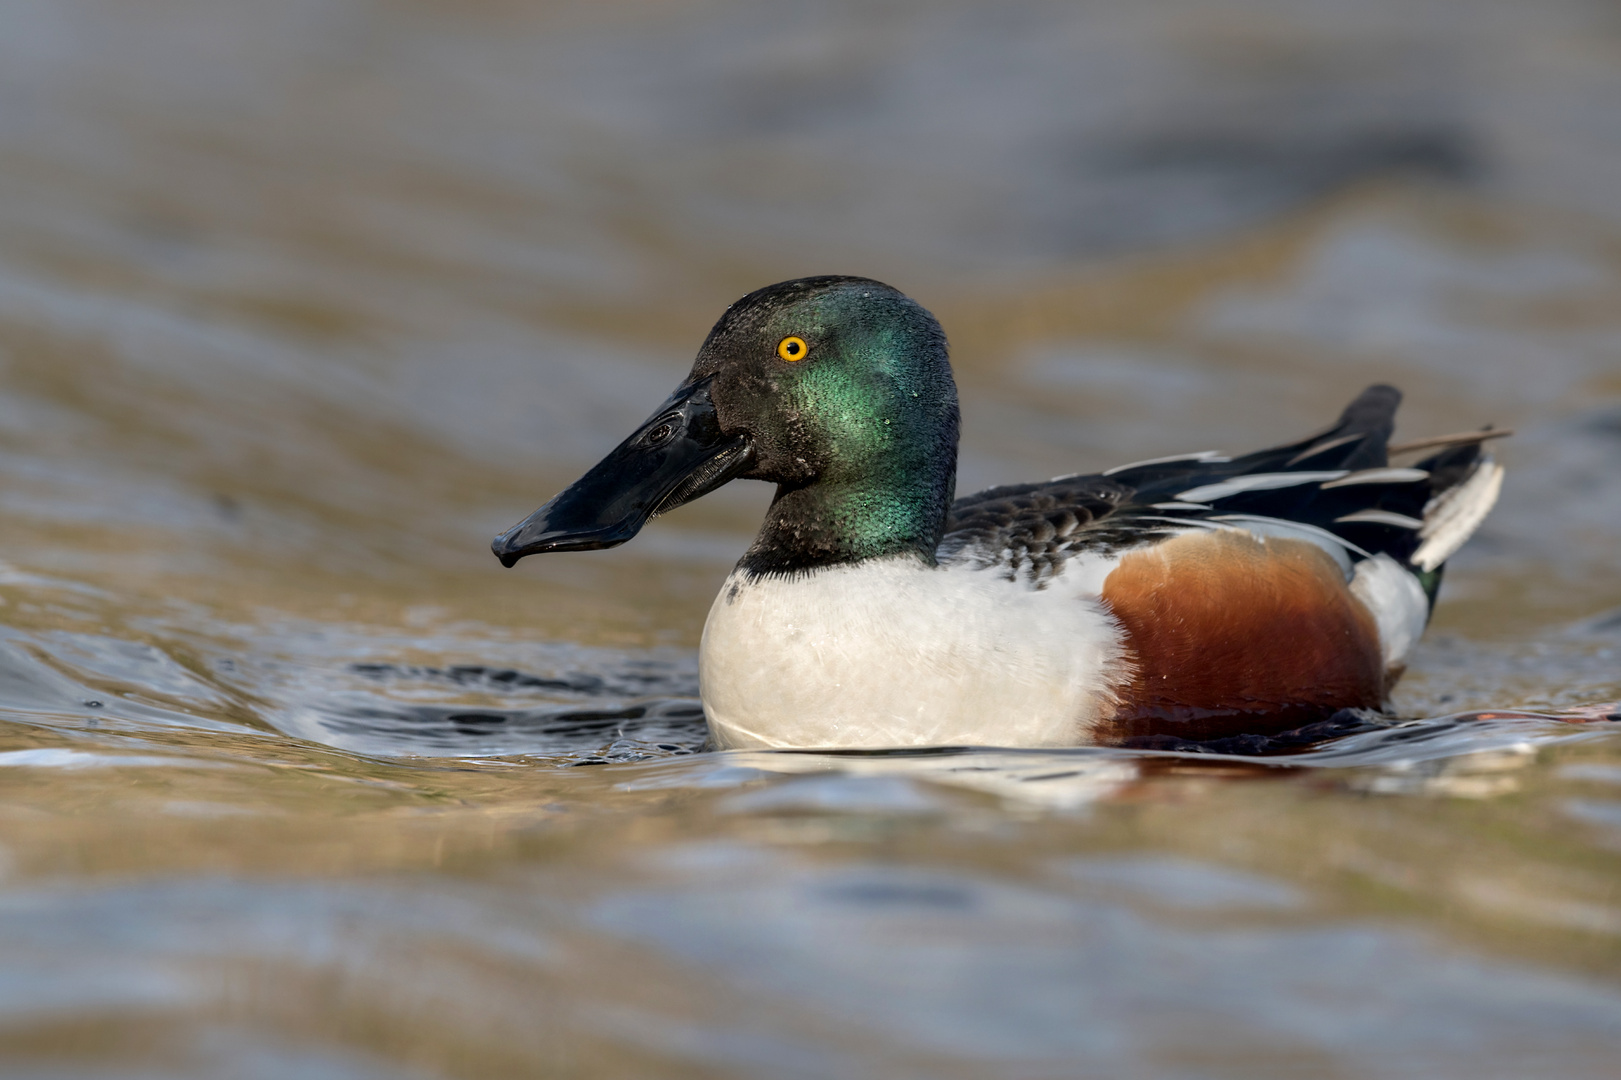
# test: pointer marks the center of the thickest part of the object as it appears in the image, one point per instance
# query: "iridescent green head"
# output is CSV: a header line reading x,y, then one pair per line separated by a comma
x,y
836,389
845,392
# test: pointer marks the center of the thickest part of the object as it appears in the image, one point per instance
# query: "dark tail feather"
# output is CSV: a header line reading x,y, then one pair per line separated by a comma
x,y
1373,415
1372,409
1451,466
1356,441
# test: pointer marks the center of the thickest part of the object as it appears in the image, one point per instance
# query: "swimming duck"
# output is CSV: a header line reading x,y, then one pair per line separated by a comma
x,y
1196,595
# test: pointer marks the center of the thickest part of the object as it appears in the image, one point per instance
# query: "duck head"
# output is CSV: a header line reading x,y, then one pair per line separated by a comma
x,y
836,389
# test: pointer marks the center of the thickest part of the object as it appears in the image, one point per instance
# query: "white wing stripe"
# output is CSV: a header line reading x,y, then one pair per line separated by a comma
x,y
1381,517
1323,536
1256,482
1211,456
1380,476
1325,447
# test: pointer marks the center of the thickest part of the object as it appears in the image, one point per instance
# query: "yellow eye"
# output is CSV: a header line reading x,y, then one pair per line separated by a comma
x,y
791,348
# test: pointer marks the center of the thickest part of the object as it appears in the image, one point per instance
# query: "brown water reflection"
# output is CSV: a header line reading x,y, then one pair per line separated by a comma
x,y
301,301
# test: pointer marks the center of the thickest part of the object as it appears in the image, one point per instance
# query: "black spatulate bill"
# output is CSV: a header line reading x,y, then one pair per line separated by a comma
x,y
679,454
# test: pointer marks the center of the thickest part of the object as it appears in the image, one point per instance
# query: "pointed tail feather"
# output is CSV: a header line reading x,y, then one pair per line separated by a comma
x,y
1355,441
1458,507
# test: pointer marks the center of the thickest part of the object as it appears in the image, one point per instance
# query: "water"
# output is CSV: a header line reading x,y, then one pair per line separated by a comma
x,y
301,302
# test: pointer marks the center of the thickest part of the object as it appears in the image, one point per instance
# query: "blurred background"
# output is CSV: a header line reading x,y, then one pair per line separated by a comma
x,y
301,301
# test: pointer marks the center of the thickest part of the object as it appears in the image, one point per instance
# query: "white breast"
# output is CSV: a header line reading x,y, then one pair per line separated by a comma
x,y
890,652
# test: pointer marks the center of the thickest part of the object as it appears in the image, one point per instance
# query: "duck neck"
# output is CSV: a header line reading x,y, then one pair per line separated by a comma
x,y
830,523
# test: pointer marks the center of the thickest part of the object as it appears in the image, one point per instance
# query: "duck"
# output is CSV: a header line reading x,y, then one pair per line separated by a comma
x,y
1196,595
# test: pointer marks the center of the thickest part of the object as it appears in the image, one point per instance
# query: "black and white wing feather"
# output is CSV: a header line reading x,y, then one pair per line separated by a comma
x,y
1337,487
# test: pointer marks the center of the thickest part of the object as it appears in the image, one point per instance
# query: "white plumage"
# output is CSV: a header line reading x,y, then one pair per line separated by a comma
x,y
1396,599
1454,515
890,652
